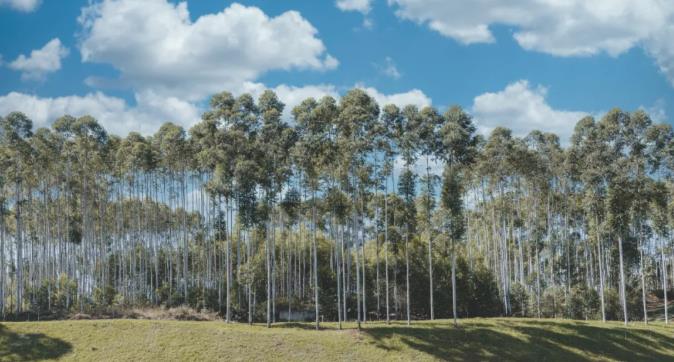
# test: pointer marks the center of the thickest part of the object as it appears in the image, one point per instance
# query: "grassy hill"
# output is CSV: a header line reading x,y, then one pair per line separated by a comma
x,y
475,339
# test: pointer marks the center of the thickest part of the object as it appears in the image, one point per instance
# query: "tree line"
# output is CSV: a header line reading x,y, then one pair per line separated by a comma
x,y
348,211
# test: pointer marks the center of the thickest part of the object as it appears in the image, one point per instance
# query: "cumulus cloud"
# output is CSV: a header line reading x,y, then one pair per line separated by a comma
x,y
657,111
21,5
523,108
41,61
361,6
292,96
156,46
562,28
113,113
415,97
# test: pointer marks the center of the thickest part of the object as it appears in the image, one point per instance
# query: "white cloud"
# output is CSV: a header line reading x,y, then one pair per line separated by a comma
x,y
155,46
389,68
21,5
112,112
41,61
414,97
657,112
562,28
661,47
523,109
292,96
361,6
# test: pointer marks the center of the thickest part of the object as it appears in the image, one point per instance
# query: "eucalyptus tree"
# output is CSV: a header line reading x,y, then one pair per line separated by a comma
x,y
457,148
137,159
659,209
381,147
618,202
242,132
171,143
5,164
276,139
407,142
495,164
643,142
358,113
427,133
592,159
391,118
207,139
310,155
16,130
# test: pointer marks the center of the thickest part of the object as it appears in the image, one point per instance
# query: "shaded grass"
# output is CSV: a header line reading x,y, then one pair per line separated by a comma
x,y
475,339
30,346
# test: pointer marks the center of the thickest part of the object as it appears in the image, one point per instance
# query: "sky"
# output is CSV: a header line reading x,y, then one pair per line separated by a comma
x,y
521,64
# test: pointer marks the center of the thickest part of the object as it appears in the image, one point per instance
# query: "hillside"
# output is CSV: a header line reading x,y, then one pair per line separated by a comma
x,y
475,339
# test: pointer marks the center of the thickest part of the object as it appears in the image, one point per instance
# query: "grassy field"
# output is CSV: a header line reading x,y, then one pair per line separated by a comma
x,y
474,339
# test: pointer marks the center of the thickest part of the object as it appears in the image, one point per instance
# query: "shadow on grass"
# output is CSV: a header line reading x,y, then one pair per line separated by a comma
x,y
30,347
525,340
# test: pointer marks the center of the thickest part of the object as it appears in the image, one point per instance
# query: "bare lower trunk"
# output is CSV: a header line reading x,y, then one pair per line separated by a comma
x,y
622,279
407,275
313,216
19,250
601,280
454,288
643,284
664,281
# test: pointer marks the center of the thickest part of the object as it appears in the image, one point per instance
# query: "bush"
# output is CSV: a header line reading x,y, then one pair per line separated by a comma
x,y
553,302
519,301
583,303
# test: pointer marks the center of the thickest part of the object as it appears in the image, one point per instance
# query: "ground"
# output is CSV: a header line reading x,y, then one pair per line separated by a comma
x,y
474,339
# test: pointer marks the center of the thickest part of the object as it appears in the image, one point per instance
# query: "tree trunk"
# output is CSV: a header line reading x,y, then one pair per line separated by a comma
x,y
622,279
19,250
407,273
664,280
454,285
313,236
430,238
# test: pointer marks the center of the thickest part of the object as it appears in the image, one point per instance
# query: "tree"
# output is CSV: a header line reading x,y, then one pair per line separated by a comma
x,y
16,129
457,148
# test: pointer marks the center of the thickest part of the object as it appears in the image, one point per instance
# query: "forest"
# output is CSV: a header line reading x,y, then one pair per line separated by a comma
x,y
347,211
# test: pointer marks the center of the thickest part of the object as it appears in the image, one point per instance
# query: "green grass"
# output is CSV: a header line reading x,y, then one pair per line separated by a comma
x,y
475,339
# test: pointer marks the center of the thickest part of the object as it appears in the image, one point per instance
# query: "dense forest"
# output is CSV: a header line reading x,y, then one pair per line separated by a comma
x,y
347,211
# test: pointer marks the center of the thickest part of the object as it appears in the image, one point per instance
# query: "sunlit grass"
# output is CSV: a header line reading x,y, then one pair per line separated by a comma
x,y
474,339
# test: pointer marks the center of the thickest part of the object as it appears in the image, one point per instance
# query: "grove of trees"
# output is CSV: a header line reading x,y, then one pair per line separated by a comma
x,y
348,211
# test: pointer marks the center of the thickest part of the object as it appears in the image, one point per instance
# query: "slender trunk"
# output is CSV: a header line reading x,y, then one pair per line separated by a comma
x,y
622,279
2,262
19,249
664,280
386,247
601,272
338,257
313,236
454,285
430,237
267,252
407,273
228,266
358,308
643,283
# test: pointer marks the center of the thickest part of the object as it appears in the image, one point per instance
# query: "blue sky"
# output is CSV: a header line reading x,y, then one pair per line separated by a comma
x,y
518,65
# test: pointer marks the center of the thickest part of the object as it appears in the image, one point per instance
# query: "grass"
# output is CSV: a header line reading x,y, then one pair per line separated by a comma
x,y
475,339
